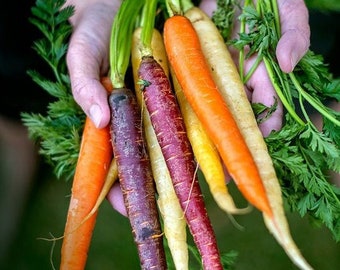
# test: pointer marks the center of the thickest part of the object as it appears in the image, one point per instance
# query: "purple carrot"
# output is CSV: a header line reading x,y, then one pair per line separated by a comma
x,y
170,130
135,178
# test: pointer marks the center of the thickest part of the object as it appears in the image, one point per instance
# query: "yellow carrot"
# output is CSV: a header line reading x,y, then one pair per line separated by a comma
x,y
172,214
206,155
229,83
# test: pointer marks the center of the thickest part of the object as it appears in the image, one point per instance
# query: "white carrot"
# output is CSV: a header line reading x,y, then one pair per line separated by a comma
x,y
229,83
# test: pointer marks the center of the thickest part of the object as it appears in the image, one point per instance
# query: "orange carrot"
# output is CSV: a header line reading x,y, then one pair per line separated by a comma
x,y
206,155
87,185
187,60
94,160
228,81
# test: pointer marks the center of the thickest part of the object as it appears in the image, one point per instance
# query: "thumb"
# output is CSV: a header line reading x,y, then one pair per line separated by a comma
x,y
84,66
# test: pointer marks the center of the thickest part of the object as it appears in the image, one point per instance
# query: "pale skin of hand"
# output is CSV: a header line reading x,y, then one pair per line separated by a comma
x,y
292,46
88,55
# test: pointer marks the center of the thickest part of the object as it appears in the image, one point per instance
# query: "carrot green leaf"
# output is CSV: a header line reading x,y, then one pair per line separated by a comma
x,y
304,156
58,132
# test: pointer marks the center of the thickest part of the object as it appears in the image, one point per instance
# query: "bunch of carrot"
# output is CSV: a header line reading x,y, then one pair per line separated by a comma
x,y
167,128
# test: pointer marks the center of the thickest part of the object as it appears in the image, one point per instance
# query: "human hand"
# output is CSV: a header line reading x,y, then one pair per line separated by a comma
x,y
87,61
292,46
88,54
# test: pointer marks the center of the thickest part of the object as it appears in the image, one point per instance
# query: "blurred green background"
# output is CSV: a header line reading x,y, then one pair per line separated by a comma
x,y
33,204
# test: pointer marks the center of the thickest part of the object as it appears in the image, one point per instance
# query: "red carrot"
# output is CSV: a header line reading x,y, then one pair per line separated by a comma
x,y
87,184
135,178
186,58
171,134
174,223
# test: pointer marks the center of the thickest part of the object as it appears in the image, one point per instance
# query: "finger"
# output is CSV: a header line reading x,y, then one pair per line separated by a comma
x,y
85,82
115,197
295,30
264,92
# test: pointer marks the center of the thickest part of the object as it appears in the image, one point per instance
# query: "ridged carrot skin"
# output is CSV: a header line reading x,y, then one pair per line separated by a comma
x,y
174,223
135,178
226,76
88,181
189,64
170,130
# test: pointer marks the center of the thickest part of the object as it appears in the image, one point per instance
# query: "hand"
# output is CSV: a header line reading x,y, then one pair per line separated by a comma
x,y
87,61
88,54
292,46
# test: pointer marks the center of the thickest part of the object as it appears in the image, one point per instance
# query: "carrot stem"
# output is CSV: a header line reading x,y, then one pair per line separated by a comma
x,y
317,105
279,92
120,42
147,25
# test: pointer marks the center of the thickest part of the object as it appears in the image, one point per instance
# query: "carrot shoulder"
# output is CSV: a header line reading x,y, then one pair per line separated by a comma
x,y
89,178
189,64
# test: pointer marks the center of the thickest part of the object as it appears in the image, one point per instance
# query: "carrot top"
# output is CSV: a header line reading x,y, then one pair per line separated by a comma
x,y
303,154
59,130
120,43
147,24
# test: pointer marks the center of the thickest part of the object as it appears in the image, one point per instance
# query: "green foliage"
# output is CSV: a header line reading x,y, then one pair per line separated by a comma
x,y
121,38
324,5
224,16
58,133
303,156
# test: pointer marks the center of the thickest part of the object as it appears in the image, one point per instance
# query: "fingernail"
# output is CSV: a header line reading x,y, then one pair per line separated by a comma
x,y
96,114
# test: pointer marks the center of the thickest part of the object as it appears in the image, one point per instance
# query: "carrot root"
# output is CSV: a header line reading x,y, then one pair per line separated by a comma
x,y
231,87
135,178
85,191
174,223
171,134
